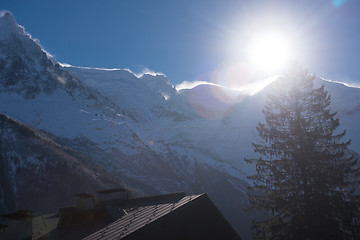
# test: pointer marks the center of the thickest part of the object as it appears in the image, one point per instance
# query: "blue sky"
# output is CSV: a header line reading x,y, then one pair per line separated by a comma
x,y
192,40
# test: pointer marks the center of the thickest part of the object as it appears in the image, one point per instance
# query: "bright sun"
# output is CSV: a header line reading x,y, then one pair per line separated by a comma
x,y
270,51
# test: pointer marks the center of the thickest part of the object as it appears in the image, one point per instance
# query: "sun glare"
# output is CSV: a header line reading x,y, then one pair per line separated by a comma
x,y
269,51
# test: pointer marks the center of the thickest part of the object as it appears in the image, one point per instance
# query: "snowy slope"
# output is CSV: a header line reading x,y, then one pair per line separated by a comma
x,y
181,128
345,101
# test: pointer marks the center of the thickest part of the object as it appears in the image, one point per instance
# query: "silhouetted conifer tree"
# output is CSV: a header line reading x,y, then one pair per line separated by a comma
x,y
306,177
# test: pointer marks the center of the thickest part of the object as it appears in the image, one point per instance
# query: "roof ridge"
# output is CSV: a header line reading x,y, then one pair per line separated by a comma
x,y
161,196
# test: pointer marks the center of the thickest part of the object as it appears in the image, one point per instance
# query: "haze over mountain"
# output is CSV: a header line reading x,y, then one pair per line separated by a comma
x,y
139,129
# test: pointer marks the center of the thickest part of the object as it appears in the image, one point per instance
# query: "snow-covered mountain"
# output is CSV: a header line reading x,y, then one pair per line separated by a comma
x,y
153,137
38,173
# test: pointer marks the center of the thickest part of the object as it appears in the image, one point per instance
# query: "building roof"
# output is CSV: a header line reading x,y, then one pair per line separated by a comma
x,y
44,224
137,217
166,216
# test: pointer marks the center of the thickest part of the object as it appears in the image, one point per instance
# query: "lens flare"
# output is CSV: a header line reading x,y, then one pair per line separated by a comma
x,y
233,75
338,3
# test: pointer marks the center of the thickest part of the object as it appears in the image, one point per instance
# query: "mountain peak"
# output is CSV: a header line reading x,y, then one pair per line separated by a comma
x,y
13,35
8,25
159,83
153,81
25,67
7,16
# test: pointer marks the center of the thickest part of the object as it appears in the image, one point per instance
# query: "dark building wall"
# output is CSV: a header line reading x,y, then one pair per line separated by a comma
x,y
199,219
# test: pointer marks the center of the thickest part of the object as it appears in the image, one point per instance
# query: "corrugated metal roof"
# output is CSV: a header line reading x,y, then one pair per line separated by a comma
x,y
44,224
137,217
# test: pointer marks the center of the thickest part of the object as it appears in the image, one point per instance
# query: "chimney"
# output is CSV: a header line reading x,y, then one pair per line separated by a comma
x,y
85,201
116,194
